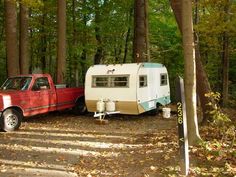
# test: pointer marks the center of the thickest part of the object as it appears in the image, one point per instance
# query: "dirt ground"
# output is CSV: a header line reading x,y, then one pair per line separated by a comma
x,y
62,144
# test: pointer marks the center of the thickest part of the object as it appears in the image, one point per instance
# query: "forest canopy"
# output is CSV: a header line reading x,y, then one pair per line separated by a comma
x,y
102,31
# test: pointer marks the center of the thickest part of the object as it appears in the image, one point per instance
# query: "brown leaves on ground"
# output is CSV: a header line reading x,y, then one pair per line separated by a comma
x,y
136,146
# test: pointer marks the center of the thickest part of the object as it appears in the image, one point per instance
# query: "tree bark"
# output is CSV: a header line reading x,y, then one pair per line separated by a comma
x,y
126,45
203,86
128,34
43,41
225,60
61,50
75,43
147,31
84,42
99,53
3,25
140,43
11,38
24,49
185,23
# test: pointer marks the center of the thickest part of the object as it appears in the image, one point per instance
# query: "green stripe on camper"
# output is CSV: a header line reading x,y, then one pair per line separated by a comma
x,y
149,105
152,65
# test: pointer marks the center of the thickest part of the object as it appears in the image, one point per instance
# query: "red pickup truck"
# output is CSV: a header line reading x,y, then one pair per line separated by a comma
x,y
28,95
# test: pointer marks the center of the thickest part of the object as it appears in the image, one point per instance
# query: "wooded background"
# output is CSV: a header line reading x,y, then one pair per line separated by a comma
x,y
64,38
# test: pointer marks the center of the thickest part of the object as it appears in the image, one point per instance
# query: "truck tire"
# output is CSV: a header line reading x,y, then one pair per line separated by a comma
x,y
11,120
80,107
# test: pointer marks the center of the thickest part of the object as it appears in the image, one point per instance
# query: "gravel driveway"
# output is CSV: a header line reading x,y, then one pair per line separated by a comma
x,y
61,144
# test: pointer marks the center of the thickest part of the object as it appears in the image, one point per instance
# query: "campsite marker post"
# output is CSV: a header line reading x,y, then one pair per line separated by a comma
x,y
182,127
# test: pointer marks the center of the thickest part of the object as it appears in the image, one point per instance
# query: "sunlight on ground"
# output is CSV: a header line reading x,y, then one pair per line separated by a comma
x,y
67,134
92,144
70,151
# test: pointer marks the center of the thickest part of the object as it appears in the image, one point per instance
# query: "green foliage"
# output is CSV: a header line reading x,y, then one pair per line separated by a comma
x,y
165,40
217,18
223,127
32,4
219,118
116,19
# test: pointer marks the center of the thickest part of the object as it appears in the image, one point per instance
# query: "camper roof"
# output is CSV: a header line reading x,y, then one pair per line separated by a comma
x,y
127,68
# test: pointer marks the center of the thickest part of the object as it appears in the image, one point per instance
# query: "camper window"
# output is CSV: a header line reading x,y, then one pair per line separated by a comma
x,y
163,79
110,81
142,81
119,81
99,81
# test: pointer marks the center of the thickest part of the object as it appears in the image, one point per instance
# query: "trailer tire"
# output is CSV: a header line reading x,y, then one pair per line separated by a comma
x,y
80,107
11,120
156,111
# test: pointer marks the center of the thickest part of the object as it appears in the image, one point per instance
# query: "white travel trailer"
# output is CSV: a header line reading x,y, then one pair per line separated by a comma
x,y
126,88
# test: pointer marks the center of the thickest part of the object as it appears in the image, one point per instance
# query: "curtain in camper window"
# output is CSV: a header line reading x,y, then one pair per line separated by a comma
x,y
110,81
119,81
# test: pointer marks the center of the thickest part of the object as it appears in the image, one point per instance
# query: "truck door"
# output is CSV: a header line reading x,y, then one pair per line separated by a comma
x,y
43,97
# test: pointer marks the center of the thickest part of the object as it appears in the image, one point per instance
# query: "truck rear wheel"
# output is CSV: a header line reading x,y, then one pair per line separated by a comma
x,y
80,107
11,120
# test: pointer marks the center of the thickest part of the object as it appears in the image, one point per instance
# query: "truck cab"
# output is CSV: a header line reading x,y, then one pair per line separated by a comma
x,y
28,95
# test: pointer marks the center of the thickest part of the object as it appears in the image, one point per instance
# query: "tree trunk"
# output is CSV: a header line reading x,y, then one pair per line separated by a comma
x,y
75,43
3,25
147,31
140,43
31,55
99,53
84,42
11,38
203,85
189,70
126,45
24,49
225,60
43,39
61,49
128,34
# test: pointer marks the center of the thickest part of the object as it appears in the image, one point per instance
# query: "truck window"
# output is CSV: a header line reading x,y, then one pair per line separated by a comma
x,y
110,81
163,79
41,84
143,81
16,83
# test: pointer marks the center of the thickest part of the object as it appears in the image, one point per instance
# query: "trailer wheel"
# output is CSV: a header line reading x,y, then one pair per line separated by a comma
x,y
156,111
11,120
80,107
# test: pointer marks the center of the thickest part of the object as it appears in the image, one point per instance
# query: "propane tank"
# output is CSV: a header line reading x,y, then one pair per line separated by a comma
x,y
100,106
110,106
